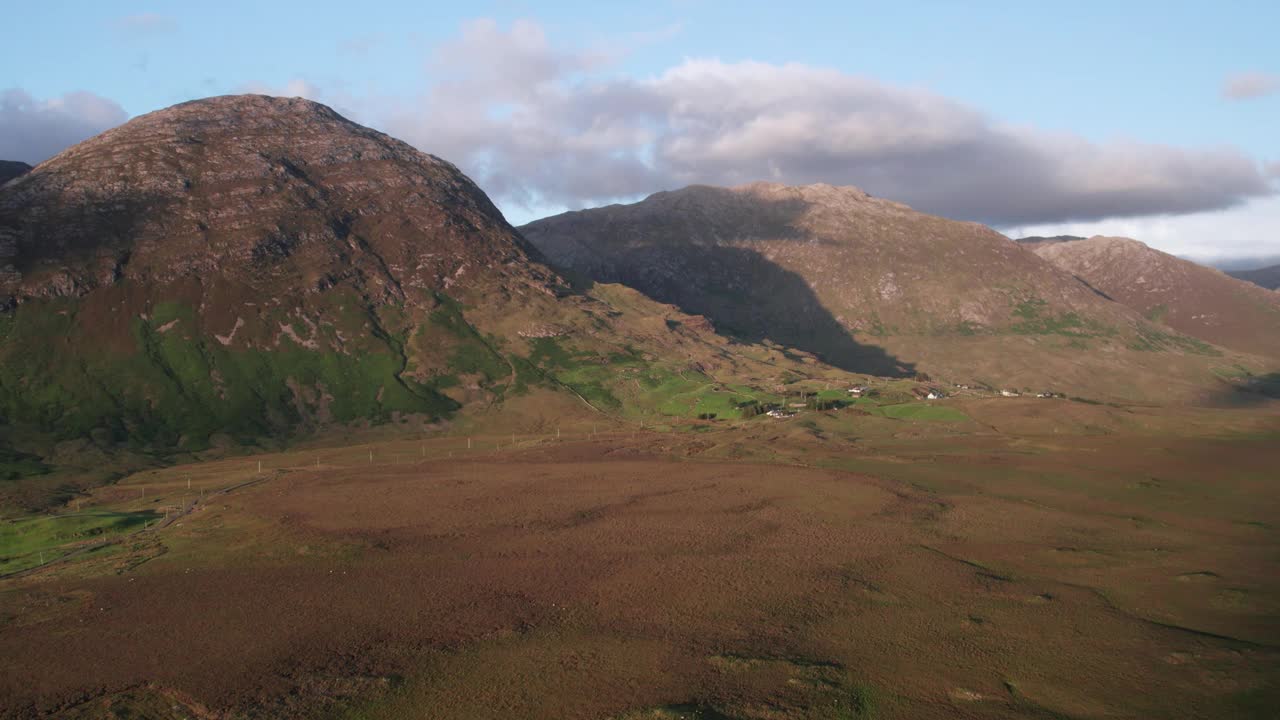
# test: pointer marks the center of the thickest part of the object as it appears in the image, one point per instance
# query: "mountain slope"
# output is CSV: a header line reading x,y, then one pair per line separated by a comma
x,y
1267,277
10,169
1190,298
246,266
871,285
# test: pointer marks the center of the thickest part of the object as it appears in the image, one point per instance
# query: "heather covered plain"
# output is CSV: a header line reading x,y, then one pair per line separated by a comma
x,y
1013,558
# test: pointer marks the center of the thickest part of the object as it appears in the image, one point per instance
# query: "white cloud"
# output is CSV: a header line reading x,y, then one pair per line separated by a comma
x,y
33,130
542,126
1246,86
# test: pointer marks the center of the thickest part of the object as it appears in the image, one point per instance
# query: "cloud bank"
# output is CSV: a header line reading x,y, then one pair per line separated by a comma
x,y
33,130
541,126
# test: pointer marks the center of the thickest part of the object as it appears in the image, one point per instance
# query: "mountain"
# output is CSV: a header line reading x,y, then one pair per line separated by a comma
x,y
10,169
1192,299
238,264
1267,277
872,285
244,267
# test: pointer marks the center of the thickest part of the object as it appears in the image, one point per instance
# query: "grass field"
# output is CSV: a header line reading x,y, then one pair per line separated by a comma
x,y
973,558
25,543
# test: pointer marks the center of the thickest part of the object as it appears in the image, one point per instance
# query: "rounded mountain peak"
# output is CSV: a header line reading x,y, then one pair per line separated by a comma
x,y
250,186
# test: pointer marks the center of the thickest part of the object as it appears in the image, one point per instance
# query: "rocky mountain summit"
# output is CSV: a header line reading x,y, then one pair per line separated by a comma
x,y
254,190
1193,299
10,169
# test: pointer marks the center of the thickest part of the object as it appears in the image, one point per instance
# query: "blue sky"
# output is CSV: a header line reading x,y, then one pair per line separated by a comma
x,y
1154,96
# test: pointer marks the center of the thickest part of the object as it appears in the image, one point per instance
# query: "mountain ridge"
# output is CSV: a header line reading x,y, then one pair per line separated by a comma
x,y
871,285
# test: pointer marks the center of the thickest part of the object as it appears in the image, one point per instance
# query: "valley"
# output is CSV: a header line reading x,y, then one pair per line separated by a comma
x,y
1024,558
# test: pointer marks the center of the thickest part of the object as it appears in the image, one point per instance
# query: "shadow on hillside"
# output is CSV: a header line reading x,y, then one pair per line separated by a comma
x,y
673,254
1258,390
754,299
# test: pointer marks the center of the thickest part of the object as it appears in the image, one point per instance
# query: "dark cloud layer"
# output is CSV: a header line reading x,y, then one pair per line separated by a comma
x,y
34,130
540,126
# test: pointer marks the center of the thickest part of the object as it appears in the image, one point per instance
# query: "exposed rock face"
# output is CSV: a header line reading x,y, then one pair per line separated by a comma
x,y
1267,277
826,269
10,169
257,190
1193,299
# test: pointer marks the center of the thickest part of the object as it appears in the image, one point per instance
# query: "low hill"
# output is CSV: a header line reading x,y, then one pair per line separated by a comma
x,y
1192,299
1267,277
872,285
10,169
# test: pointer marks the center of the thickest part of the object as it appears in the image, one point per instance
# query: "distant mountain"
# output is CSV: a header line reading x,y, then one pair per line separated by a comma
x,y
249,266
1199,301
871,285
1267,277
10,169
1035,241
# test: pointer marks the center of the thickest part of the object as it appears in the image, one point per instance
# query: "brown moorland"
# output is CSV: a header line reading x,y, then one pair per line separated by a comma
x,y
1028,558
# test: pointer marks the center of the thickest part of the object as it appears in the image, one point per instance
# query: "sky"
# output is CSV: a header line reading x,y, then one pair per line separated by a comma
x,y
1154,120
